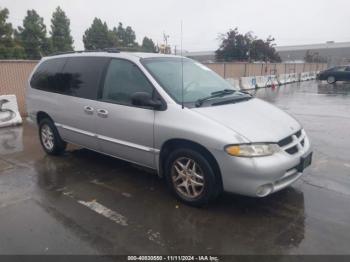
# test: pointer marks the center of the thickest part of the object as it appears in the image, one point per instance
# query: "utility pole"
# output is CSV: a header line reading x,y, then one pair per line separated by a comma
x,y
165,37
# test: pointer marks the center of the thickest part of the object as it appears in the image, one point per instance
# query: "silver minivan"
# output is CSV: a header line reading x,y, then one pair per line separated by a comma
x,y
170,114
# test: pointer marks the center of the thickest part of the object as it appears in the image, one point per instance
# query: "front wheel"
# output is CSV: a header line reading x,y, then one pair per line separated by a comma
x,y
191,177
50,138
331,80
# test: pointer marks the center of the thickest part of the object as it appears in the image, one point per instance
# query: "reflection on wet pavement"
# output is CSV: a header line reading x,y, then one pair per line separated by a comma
x,y
334,89
11,140
144,201
45,195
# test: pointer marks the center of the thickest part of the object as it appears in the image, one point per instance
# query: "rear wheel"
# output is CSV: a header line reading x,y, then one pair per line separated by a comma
x,y
50,138
331,80
191,177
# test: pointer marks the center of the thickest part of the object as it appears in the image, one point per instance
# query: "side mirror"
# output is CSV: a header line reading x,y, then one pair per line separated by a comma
x,y
145,99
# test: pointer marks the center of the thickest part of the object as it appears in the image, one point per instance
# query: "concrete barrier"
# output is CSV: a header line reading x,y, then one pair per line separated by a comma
x,y
265,81
234,82
293,77
252,82
288,78
248,82
272,80
283,79
261,81
299,77
9,115
313,75
304,76
310,76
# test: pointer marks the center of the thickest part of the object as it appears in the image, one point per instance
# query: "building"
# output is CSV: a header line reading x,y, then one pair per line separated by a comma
x,y
164,49
331,52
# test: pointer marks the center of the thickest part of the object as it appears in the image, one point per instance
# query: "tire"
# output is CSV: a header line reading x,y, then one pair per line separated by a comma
x,y
331,80
50,139
200,195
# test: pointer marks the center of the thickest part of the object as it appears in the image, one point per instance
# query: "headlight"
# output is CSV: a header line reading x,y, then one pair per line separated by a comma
x,y
252,150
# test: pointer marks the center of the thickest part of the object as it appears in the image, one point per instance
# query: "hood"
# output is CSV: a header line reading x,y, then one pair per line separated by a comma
x,y
255,119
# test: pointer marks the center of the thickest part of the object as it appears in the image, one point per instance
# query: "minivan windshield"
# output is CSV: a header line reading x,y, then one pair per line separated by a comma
x,y
199,82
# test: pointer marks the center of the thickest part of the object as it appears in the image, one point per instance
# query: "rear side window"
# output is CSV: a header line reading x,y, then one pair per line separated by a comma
x,y
82,76
123,79
74,76
48,76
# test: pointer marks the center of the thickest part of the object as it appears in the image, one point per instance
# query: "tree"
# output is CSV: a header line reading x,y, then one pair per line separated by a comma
x,y
120,31
238,47
9,49
126,37
97,36
6,31
261,50
271,53
113,37
130,37
148,45
234,46
61,38
32,36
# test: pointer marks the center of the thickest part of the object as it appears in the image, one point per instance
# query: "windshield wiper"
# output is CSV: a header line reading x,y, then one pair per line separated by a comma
x,y
220,93
233,100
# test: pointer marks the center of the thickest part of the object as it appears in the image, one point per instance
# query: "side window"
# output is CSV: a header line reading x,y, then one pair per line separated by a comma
x,y
341,69
347,68
82,75
123,79
48,76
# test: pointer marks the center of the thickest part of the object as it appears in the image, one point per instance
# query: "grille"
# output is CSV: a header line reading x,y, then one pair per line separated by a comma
x,y
298,134
293,143
292,150
285,141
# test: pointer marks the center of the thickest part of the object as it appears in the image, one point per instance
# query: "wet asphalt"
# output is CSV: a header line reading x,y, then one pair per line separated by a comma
x,y
87,203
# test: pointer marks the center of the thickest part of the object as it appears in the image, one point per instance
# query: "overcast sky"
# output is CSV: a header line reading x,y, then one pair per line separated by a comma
x,y
289,21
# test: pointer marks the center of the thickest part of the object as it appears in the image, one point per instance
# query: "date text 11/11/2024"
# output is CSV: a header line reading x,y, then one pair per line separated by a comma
x,y
173,258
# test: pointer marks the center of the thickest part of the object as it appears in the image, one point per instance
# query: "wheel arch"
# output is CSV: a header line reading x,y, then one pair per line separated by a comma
x,y
333,76
42,115
176,143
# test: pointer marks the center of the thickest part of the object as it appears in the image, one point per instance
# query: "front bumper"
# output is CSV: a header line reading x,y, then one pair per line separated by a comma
x,y
321,77
260,176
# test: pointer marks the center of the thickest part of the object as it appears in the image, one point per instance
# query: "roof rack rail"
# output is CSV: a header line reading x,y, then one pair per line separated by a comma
x,y
62,53
111,50
108,50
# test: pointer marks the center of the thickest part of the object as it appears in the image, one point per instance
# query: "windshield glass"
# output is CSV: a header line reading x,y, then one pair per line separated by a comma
x,y
198,80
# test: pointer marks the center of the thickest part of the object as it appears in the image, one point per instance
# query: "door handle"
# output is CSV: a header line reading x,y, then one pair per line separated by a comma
x,y
89,110
102,113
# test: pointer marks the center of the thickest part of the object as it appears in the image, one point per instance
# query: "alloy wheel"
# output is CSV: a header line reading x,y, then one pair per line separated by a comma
x,y
187,177
47,137
331,79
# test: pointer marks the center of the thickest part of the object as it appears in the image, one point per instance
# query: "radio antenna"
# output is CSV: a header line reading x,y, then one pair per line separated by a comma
x,y
182,73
